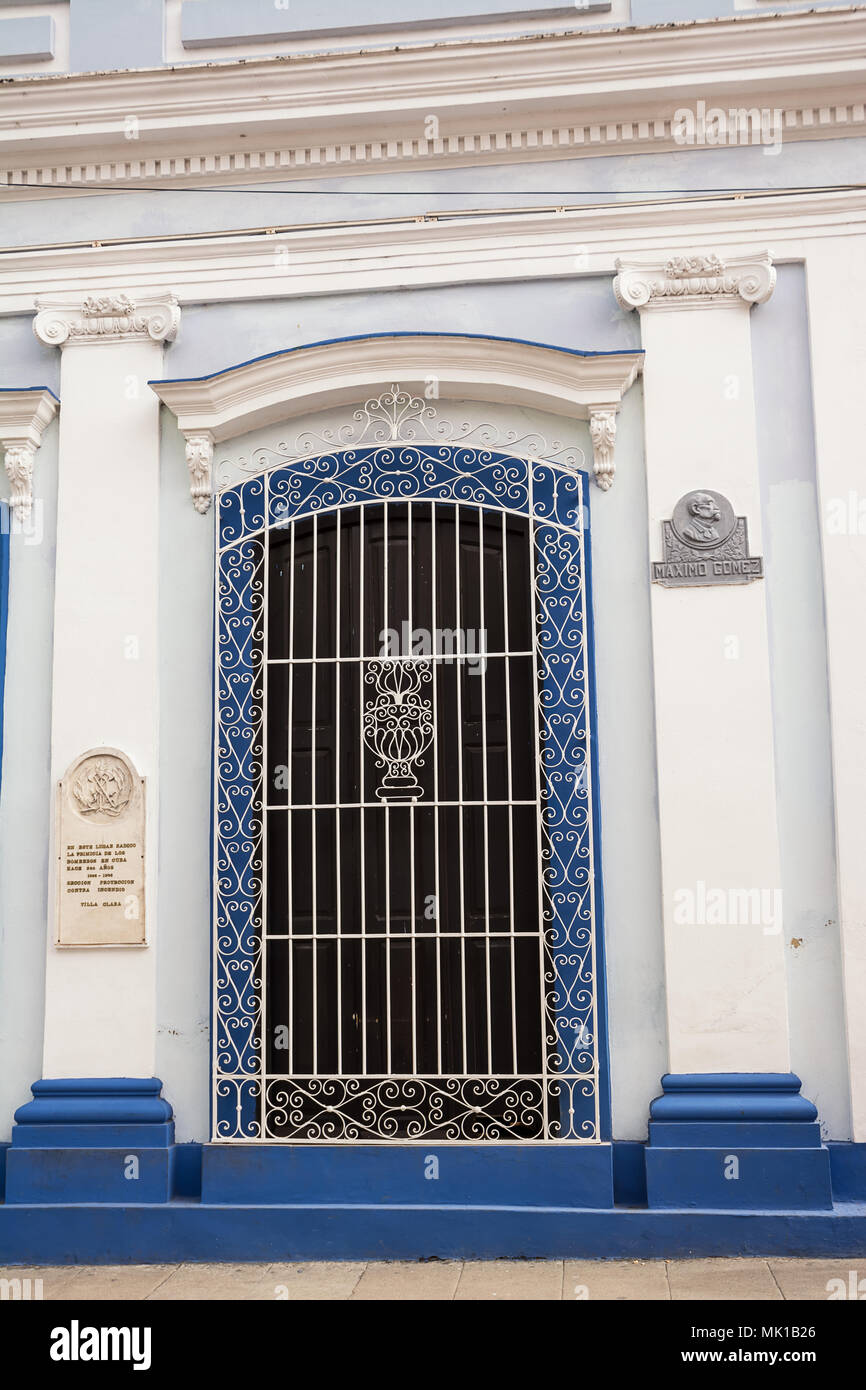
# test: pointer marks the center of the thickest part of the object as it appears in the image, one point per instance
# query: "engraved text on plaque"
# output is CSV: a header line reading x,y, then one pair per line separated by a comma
x,y
101,852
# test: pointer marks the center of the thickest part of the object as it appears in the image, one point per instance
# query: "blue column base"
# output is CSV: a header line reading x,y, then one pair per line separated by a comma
x,y
728,1178
101,1139
736,1142
93,1136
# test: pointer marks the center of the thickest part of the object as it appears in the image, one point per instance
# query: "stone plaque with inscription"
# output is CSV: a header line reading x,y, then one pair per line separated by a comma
x,y
100,869
705,542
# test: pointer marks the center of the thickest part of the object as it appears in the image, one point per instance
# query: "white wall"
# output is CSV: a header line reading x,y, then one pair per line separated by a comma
x,y
630,847
801,708
25,797
186,603
580,314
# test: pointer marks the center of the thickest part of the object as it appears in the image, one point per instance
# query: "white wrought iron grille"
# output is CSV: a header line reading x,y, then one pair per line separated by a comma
x,y
404,861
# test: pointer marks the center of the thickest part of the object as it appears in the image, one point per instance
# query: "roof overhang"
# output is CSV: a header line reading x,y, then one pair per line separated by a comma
x,y
599,91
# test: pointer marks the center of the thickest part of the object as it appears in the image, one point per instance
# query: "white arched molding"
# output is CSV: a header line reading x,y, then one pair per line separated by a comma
x,y
24,414
284,385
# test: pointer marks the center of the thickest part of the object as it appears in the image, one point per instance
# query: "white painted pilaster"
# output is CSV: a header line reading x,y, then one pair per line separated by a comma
x,y
836,286
100,1001
726,986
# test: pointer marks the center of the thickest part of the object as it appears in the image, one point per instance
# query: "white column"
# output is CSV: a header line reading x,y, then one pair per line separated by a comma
x,y
836,286
100,1001
726,987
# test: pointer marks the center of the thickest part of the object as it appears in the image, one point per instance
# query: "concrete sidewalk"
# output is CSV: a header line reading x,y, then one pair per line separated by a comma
x,y
446,1280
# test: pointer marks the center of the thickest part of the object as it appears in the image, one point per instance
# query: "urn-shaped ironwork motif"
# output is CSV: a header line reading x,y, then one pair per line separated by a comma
x,y
398,724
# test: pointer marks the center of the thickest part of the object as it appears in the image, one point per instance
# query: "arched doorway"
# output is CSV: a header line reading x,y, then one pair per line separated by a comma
x,y
405,938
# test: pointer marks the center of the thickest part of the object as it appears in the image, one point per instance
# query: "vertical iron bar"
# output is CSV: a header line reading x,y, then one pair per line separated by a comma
x,y
536,699
338,798
434,645
265,797
412,996
362,791
584,517
314,785
385,544
511,918
460,813
482,674
291,814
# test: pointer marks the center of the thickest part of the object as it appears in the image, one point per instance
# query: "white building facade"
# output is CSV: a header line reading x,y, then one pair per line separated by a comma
x,y
432,745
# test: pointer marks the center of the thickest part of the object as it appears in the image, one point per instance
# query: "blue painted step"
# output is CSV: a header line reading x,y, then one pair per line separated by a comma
x,y
466,1174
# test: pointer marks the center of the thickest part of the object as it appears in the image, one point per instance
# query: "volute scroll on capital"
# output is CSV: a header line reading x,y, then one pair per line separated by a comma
x,y
697,280
106,318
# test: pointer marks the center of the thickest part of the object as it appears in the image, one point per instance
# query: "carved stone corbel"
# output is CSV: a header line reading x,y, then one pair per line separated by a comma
x,y
602,432
199,460
18,460
24,415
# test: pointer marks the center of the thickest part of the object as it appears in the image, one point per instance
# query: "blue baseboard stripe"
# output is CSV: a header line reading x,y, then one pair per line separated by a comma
x,y
734,1166
187,1231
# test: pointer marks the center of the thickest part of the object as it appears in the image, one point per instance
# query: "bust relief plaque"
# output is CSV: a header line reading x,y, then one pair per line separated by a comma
x,y
100,852
705,542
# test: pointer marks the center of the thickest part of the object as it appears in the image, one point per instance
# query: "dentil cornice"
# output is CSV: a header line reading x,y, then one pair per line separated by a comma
x,y
698,280
101,318
595,92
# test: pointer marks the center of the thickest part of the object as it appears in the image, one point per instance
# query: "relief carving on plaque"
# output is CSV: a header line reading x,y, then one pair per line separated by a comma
x,y
100,852
102,787
705,542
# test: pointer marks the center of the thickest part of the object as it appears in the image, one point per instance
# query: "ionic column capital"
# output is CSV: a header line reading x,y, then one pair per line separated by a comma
x,y
106,318
697,281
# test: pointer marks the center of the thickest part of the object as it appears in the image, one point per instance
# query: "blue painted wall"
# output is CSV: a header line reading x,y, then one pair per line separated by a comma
x,y
104,34
205,23
24,361
26,39
570,313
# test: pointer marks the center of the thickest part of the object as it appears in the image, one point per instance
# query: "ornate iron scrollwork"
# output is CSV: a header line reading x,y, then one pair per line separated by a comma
x,y
398,724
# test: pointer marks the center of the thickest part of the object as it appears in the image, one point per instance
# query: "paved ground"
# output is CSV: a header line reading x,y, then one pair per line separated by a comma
x,y
720,1279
